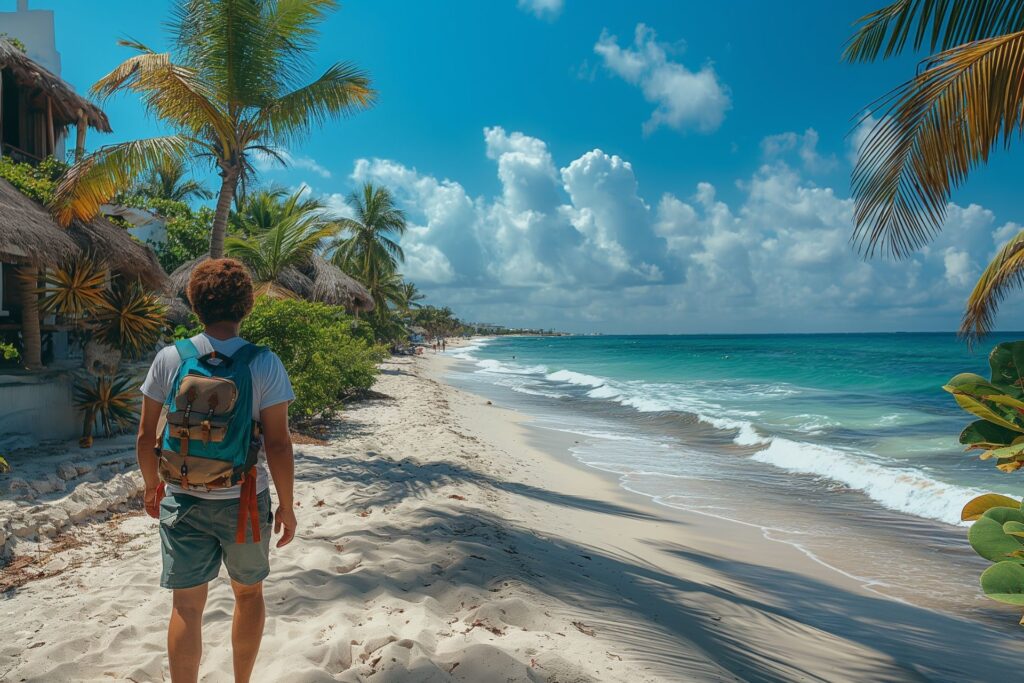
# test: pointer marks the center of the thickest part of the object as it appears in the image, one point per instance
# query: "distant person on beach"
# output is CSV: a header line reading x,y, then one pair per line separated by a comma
x,y
444,345
214,503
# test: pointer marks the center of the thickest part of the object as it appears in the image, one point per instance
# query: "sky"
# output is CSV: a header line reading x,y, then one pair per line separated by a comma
x,y
615,167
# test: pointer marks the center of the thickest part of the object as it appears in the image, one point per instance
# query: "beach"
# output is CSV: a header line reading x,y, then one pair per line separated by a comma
x,y
444,537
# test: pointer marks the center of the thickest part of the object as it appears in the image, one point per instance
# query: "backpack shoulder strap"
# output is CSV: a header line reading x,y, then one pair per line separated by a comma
x,y
186,349
247,353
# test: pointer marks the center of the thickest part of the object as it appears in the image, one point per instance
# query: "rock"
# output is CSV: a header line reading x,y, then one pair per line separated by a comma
x,y
84,468
67,471
47,484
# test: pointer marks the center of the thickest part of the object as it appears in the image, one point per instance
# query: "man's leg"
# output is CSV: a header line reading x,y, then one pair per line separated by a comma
x,y
246,628
185,633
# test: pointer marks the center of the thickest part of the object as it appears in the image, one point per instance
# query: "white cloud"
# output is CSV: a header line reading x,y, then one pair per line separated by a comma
x,y
806,147
859,135
265,162
542,9
684,99
578,246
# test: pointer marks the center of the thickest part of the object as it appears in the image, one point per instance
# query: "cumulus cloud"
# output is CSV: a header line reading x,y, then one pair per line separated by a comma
x,y
267,162
542,9
683,99
579,246
804,146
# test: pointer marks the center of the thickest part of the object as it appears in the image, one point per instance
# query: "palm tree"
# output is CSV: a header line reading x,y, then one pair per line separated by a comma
x,y
168,181
411,296
235,84
934,129
370,251
281,232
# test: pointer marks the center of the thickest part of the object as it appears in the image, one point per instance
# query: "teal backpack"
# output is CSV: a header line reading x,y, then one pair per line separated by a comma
x,y
207,439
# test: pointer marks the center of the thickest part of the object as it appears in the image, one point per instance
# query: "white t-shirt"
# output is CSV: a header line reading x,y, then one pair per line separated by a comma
x,y
270,386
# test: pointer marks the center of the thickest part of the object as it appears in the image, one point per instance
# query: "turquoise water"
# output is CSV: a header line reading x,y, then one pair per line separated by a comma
x,y
859,412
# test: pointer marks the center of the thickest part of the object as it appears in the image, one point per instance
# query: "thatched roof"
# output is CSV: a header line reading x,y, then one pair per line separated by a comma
x,y
66,102
316,280
29,234
333,286
120,250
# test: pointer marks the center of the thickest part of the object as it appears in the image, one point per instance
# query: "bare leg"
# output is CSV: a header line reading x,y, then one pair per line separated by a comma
x,y
185,634
246,628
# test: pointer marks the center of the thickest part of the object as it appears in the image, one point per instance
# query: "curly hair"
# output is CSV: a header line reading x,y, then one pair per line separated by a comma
x,y
220,290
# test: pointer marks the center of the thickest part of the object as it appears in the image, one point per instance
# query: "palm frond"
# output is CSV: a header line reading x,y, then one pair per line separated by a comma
x,y
342,90
96,178
169,91
938,24
1003,274
934,129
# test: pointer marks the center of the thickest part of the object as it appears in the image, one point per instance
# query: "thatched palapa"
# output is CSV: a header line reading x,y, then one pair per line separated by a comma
x,y
28,234
315,279
67,104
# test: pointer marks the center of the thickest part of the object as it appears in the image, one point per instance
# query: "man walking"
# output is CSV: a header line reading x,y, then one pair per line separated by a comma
x,y
211,453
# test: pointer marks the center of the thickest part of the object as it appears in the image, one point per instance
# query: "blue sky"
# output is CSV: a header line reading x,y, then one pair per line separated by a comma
x,y
614,166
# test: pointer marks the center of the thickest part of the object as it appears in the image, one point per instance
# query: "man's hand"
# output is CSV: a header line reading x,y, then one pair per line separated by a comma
x,y
152,499
285,519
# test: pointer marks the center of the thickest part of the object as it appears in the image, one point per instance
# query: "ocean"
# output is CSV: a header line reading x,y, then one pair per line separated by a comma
x,y
843,445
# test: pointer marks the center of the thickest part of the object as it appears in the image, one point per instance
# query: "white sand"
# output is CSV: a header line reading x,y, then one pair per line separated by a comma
x,y
438,543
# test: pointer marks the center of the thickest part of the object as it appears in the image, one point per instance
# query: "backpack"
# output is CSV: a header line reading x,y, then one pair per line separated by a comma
x,y
206,436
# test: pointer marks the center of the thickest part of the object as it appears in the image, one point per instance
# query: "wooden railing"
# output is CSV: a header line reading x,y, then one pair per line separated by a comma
x,y
19,154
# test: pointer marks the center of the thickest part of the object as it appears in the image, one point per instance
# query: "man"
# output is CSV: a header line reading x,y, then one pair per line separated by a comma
x,y
198,527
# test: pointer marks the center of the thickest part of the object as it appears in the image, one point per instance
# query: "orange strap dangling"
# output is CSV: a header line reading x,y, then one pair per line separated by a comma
x,y
247,508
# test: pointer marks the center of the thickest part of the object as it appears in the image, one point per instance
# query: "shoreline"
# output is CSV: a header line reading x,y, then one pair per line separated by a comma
x,y
443,538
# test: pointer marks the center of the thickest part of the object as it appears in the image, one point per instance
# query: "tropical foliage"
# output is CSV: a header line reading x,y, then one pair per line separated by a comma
x,y
324,350
169,182
187,237
131,319
998,532
280,231
111,400
121,314
36,182
965,101
369,250
235,84
77,289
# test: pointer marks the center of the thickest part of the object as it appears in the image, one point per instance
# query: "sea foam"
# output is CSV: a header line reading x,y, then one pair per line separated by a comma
x,y
904,490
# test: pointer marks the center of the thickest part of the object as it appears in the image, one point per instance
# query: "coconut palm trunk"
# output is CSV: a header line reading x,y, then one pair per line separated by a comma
x,y
32,353
220,219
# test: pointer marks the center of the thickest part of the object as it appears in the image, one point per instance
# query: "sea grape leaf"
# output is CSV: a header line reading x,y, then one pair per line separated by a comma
x,y
976,507
1014,529
1007,451
1004,581
989,540
980,397
1007,364
988,435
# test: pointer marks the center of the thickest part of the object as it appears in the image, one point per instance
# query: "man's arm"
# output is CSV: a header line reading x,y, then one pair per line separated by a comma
x,y
280,460
144,444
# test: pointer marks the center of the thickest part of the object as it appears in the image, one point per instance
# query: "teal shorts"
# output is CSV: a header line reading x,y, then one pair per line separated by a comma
x,y
197,534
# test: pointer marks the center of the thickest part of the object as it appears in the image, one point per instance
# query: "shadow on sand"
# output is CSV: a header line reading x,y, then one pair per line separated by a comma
x,y
736,626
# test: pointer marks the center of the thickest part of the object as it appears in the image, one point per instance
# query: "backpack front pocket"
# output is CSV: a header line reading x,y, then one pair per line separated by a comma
x,y
202,473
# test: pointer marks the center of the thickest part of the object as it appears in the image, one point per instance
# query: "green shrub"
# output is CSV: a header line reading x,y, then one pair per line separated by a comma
x,y
188,238
321,348
37,182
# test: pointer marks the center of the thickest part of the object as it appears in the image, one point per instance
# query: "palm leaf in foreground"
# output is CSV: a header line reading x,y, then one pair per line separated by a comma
x,y
92,181
935,129
939,24
1003,274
